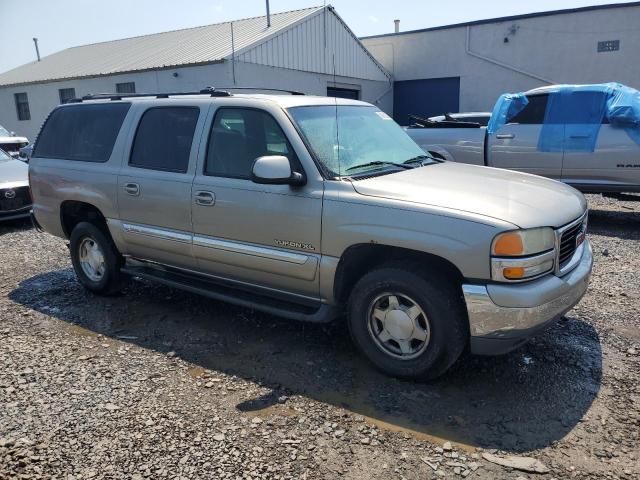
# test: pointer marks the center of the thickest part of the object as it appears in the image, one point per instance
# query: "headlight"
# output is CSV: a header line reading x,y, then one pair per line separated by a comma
x,y
522,254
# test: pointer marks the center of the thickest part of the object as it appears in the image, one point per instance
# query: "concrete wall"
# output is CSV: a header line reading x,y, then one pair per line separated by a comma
x,y
541,50
44,97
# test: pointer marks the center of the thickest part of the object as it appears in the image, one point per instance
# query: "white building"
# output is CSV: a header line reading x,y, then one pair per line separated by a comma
x,y
465,67
311,50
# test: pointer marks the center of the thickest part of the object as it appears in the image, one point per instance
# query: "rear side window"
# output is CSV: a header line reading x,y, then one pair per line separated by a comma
x,y
533,113
81,132
164,137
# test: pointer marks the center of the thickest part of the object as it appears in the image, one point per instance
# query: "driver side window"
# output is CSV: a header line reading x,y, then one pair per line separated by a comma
x,y
534,112
240,135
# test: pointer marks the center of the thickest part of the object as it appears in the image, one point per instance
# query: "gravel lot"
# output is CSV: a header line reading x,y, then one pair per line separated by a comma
x,y
159,383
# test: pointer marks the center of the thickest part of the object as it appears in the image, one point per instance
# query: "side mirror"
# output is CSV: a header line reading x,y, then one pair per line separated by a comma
x,y
275,170
25,153
13,134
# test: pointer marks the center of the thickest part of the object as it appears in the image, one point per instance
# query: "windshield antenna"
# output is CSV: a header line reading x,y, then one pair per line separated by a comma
x,y
335,100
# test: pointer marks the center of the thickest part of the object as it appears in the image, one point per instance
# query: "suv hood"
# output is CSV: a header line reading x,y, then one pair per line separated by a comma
x,y
13,172
525,200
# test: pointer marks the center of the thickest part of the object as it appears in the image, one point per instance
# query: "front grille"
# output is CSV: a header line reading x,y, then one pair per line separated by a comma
x,y
10,147
14,198
568,244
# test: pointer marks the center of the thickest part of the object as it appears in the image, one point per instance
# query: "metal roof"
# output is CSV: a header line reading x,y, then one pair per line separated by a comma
x,y
511,18
186,47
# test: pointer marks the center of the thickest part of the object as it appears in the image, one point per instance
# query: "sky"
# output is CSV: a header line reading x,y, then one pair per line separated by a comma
x,y
60,24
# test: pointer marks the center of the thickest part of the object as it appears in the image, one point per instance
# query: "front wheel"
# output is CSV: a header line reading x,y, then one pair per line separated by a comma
x,y
406,324
95,259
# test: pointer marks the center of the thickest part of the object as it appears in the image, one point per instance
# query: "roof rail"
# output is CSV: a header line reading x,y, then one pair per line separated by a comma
x,y
211,91
292,92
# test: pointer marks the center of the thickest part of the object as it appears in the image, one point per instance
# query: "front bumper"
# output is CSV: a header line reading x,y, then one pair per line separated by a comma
x,y
15,214
502,317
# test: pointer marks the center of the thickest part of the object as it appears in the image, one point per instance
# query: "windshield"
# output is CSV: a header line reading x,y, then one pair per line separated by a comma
x,y
351,140
4,132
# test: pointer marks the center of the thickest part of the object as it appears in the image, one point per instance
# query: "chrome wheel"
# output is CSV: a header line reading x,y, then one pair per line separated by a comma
x,y
399,326
91,259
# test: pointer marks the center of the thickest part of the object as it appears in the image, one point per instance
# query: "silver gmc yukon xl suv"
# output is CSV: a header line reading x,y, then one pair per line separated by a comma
x,y
308,208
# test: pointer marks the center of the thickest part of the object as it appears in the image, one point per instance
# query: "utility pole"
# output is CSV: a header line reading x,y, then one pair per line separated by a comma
x,y
35,41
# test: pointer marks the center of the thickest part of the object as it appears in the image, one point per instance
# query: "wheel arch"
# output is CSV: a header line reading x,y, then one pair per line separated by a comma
x,y
361,258
73,212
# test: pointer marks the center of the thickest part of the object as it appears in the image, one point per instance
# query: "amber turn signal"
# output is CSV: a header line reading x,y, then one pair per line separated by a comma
x,y
513,273
509,244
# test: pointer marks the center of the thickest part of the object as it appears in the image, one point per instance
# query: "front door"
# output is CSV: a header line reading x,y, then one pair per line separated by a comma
x,y
262,235
154,186
515,145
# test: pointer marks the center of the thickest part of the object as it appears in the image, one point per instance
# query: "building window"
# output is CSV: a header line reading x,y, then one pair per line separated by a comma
x,y
22,106
343,93
609,46
67,94
127,87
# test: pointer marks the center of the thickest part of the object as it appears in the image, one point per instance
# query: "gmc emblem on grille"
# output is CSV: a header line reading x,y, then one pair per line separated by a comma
x,y
580,237
10,193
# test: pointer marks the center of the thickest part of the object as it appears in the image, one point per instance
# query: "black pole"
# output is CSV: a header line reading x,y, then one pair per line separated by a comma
x,y
35,41
268,15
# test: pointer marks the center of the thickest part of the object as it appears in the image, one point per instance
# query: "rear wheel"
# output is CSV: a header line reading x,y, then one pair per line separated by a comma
x,y
406,324
95,259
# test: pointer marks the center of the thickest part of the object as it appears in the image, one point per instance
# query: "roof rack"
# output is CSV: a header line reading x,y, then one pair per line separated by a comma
x,y
211,91
292,92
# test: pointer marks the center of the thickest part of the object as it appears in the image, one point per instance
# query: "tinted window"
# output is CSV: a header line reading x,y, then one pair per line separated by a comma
x,y
128,87
239,136
81,132
534,112
164,137
66,94
22,106
343,93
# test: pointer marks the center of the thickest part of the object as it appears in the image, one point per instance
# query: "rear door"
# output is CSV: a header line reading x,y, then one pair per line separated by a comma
x,y
598,157
154,185
515,145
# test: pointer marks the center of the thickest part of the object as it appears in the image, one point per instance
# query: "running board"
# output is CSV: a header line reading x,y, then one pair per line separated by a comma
x,y
315,312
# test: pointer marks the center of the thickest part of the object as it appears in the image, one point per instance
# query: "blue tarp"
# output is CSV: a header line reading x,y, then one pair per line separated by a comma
x,y
507,107
575,113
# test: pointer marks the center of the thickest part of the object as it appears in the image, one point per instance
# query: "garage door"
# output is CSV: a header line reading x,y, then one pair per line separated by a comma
x,y
425,98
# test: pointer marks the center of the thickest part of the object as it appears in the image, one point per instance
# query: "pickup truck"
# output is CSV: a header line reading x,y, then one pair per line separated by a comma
x,y
313,209
613,165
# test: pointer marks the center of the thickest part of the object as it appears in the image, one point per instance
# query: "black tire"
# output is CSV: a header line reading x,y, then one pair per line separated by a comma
x,y
110,282
440,300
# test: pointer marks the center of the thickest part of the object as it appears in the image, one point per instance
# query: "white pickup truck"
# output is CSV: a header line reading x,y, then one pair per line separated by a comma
x,y
604,159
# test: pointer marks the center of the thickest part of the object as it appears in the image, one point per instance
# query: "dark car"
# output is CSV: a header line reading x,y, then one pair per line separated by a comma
x,y
15,198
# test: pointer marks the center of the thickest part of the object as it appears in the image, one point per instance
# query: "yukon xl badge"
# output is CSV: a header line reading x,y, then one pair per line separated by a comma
x,y
292,244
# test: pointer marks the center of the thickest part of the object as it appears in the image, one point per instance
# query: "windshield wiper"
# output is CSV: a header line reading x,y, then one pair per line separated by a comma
x,y
418,159
376,163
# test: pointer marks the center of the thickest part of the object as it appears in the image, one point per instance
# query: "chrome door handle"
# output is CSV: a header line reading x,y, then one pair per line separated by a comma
x,y
205,198
505,135
132,189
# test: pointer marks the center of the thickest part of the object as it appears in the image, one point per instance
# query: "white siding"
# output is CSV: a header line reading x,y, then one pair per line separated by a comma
x,y
311,46
561,48
44,97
